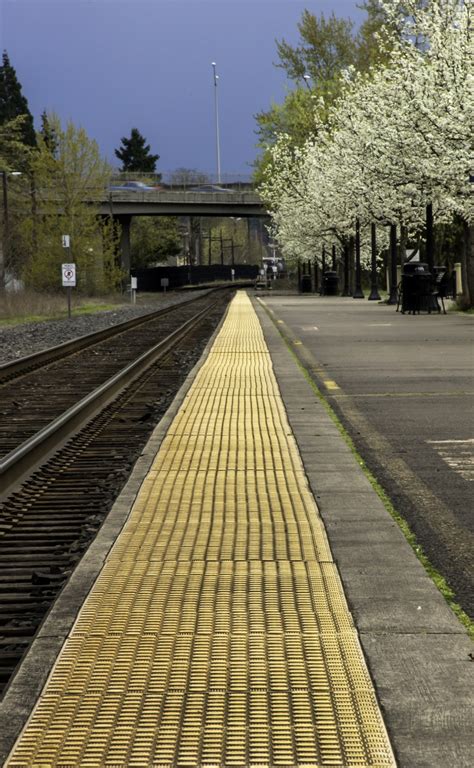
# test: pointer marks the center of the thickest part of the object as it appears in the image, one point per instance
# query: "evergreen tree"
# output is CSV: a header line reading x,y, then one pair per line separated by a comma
x,y
134,154
14,156
49,134
13,103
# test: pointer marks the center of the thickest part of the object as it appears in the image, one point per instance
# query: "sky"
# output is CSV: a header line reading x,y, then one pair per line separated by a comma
x,y
110,65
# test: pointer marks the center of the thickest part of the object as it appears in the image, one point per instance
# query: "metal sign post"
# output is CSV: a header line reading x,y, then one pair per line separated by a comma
x,y
68,272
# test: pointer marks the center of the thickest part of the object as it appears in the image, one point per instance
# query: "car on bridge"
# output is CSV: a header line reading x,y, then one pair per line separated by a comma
x,y
133,186
209,188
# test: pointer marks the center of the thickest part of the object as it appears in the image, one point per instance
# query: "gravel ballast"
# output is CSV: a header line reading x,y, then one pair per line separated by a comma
x,y
26,338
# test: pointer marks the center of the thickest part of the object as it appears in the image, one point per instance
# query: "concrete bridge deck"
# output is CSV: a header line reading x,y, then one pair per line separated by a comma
x,y
183,203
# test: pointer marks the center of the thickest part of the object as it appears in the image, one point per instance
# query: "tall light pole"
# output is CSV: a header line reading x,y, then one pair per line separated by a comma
x,y
393,295
374,292
307,78
216,110
358,292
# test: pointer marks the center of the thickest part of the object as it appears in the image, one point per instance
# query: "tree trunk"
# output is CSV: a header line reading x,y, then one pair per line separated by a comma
x,y
4,233
430,243
403,244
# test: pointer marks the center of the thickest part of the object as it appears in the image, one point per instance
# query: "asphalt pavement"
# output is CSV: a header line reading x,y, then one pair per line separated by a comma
x,y
403,386
418,653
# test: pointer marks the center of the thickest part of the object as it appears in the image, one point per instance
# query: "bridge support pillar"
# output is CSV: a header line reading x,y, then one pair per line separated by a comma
x,y
125,251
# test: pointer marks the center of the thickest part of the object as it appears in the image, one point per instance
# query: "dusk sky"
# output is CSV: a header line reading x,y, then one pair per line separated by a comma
x,y
110,65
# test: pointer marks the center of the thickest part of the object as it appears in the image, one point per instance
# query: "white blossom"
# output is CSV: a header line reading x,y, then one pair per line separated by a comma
x,y
397,139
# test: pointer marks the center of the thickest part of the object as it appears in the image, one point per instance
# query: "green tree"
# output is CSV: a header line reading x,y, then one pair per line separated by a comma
x,y
373,38
13,103
134,154
67,184
154,239
48,134
15,156
14,153
327,47
188,176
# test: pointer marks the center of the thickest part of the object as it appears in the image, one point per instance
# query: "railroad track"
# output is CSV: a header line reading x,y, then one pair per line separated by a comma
x,y
13,369
48,521
45,396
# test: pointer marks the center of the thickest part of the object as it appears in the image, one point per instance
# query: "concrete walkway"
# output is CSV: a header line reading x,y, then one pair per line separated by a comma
x,y
274,674
217,632
417,651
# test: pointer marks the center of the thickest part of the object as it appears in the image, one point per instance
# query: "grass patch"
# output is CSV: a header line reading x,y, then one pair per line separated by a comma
x,y
87,309
454,307
30,307
432,572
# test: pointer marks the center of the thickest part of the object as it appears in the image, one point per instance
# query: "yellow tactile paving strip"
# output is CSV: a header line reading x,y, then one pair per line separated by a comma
x,y
217,634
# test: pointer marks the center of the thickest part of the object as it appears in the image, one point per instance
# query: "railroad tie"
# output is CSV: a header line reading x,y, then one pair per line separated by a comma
x,y
217,634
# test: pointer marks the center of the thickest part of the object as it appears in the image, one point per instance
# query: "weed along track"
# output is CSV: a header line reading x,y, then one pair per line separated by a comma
x,y
48,520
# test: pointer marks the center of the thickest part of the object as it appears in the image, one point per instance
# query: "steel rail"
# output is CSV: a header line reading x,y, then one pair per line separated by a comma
x,y
22,460
51,354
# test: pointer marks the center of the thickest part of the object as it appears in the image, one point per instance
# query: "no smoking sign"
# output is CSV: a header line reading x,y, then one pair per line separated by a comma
x,y
69,275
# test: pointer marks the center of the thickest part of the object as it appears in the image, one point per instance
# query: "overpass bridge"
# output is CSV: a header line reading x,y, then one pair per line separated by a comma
x,y
183,203
123,205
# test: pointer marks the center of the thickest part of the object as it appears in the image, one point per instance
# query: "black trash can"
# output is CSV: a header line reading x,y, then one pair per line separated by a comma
x,y
331,283
305,284
416,288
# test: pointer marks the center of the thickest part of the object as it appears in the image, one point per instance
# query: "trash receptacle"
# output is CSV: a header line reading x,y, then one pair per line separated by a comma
x,y
305,284
416,288
331,283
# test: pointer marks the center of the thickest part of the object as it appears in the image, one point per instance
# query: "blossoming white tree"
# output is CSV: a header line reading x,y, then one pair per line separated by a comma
x,y
397,142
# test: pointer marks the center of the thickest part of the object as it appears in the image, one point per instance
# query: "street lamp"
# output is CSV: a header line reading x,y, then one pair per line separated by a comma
x,y
216,110
3,249
307,78
393,294
358,292
374,293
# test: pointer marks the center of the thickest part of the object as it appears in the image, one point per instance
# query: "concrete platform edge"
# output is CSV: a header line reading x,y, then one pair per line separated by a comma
x,y
416,649
27,685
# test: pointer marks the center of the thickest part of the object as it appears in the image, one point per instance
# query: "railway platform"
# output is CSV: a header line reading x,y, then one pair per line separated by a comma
x,y
213,625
